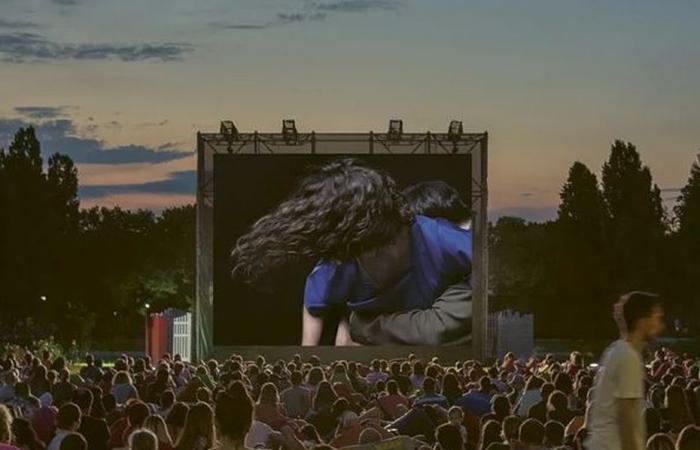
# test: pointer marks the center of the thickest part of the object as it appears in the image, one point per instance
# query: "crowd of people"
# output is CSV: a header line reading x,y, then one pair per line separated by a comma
x,y
298,404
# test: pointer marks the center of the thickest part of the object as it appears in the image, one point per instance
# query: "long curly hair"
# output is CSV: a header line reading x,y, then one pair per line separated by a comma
x,y
337,212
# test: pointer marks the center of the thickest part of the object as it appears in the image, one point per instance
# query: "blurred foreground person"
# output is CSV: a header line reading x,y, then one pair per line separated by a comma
x,y
617,411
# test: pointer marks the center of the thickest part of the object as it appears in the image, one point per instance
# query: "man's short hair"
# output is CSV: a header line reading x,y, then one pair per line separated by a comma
x,y
449,437
635,306
83,398
532,432
428,385
136,413
297,378
142,439
73,441
68,415
554,433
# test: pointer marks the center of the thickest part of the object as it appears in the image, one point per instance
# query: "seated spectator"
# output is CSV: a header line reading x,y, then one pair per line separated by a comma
x,y
678,412
198,433
156,424
24,435
451,388
176,420
94,430
73,441
376,374
136,413
165,403
234,416
161,384
296,399
689,438
553,434
390,401
490,433
429,396
91,371
538,411
455,416
268,409
500,409
67,422
123,388
112,414
418,421
6,429
558,407
43,421
448,437
7,390
143,440
660,441
511,430
477,402
530,396
531,435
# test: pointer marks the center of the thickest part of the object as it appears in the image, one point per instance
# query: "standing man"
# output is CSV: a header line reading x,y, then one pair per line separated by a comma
x,y
617,411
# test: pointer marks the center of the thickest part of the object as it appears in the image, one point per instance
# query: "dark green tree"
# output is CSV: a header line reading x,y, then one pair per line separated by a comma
x,y
38,220
636,220
684,252
580,265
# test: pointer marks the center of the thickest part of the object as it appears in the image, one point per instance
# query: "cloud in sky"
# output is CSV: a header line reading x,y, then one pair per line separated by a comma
x,y
356,5
313,11
61,135
180,183
17,24
131,176
23,47
40,112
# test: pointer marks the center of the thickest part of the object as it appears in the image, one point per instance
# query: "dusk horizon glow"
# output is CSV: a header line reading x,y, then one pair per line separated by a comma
x,y
123,87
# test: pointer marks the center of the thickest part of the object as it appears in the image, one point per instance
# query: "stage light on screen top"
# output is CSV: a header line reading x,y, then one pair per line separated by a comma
x,y
289,130
228,129
455,131
395,129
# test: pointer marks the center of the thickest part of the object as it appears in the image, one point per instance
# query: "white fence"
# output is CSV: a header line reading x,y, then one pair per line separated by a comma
x,y
181,334
510,331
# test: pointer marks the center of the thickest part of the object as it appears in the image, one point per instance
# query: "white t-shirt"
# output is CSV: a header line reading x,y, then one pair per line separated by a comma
x,y
621,376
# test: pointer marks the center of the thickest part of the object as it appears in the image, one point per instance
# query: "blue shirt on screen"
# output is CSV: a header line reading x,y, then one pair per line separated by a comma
x,y
441,256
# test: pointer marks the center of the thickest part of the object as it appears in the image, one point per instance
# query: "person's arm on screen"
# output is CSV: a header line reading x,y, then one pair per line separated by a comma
x,y
312,327
628,420
342,335
448,321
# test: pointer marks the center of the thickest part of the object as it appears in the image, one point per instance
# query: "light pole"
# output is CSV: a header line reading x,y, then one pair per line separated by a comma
x,y
146,308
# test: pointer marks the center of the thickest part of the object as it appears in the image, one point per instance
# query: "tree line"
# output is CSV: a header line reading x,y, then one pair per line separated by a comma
x,y
610,236
87,275
91,275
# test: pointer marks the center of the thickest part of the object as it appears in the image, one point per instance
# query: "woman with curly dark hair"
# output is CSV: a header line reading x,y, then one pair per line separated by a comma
x,y
373,255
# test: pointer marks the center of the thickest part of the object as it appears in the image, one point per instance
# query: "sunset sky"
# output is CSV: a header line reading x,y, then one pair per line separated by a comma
x,y
123,86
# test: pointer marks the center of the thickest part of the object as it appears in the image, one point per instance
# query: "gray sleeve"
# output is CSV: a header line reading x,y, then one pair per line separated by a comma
x,y
447,322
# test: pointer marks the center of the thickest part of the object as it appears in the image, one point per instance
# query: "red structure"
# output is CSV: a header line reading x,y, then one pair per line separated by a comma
x,y
156,336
